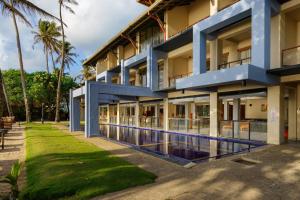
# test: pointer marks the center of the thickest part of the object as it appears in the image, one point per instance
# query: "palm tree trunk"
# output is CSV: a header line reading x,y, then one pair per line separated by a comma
x,y
5,95
53,62
26,103
61,74
47,63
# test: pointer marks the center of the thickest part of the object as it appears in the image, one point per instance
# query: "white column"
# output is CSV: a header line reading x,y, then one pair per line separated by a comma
x,y
214,114
166,114
193,109
187,117
275,115
236,117
216,54
226,110
108,114
137,114
292,114
156,114
118,114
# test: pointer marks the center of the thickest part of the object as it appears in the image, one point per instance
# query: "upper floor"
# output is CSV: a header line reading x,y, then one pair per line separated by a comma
x,y
167,29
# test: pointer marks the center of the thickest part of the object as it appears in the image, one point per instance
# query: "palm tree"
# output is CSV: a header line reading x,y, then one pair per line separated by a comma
x,y
62,4
88,72
69,55
15,9
3,93
47,33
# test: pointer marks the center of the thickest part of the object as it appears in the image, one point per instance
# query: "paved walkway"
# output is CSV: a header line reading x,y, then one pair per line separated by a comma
x,y
276,175
14,151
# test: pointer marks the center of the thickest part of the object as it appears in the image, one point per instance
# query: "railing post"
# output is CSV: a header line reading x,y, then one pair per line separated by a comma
x,y
232,128
249,131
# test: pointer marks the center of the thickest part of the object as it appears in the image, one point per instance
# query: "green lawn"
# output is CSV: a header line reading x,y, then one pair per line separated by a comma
x,y
60,166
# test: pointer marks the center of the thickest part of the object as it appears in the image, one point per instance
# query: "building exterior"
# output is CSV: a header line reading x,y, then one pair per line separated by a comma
x,y
222,68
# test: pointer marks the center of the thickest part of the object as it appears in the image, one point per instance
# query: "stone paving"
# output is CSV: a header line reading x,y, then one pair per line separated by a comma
x,y
274,174
14,151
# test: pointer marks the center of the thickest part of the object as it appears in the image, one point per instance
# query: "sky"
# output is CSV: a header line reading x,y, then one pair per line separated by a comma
x,y
94,22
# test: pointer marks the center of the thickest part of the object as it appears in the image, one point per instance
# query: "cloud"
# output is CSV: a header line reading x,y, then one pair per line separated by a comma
x,y
95,22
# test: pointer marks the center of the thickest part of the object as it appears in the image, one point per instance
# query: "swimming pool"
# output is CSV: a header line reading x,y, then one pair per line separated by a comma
x,y
176,147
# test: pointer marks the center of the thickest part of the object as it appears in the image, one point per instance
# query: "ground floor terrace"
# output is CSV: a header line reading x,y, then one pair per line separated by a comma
x,y
266,114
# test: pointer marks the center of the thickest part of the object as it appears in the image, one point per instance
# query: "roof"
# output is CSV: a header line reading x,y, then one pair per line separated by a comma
x,y
155,8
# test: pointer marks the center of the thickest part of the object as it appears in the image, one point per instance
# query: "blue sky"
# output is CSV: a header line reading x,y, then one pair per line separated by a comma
x,y
95,22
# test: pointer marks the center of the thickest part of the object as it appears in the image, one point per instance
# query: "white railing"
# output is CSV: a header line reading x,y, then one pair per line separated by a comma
x,y
247,130
197,126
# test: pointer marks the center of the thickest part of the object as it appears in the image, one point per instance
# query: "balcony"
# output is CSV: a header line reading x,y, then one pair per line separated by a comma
x,y
291,56
235,63
172,80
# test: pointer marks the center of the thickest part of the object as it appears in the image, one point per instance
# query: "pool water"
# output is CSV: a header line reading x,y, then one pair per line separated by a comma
x,y
180,148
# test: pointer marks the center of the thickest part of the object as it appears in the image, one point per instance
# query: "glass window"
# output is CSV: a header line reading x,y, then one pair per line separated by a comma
x,y
180,111
202,111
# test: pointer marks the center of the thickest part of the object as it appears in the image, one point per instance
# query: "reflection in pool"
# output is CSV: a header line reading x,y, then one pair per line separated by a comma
x,y
180,148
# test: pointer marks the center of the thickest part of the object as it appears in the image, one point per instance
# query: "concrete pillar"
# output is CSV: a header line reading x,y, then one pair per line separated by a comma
x,y
261,30
216,54
199,52
187,116
157,106
91,110
214,114
137,114
124,74
214,6
226,110
236,117
108,114
193,110
275,115
166,114
292,114
277,39
118,114
74,117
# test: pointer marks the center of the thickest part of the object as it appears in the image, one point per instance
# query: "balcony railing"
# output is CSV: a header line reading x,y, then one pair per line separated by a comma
x,y
127,120
291,56
247,130
234,63
113,120
150,122
197,126
172,80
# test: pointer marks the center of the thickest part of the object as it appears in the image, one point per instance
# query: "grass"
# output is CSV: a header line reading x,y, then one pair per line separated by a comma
x,y
60,166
